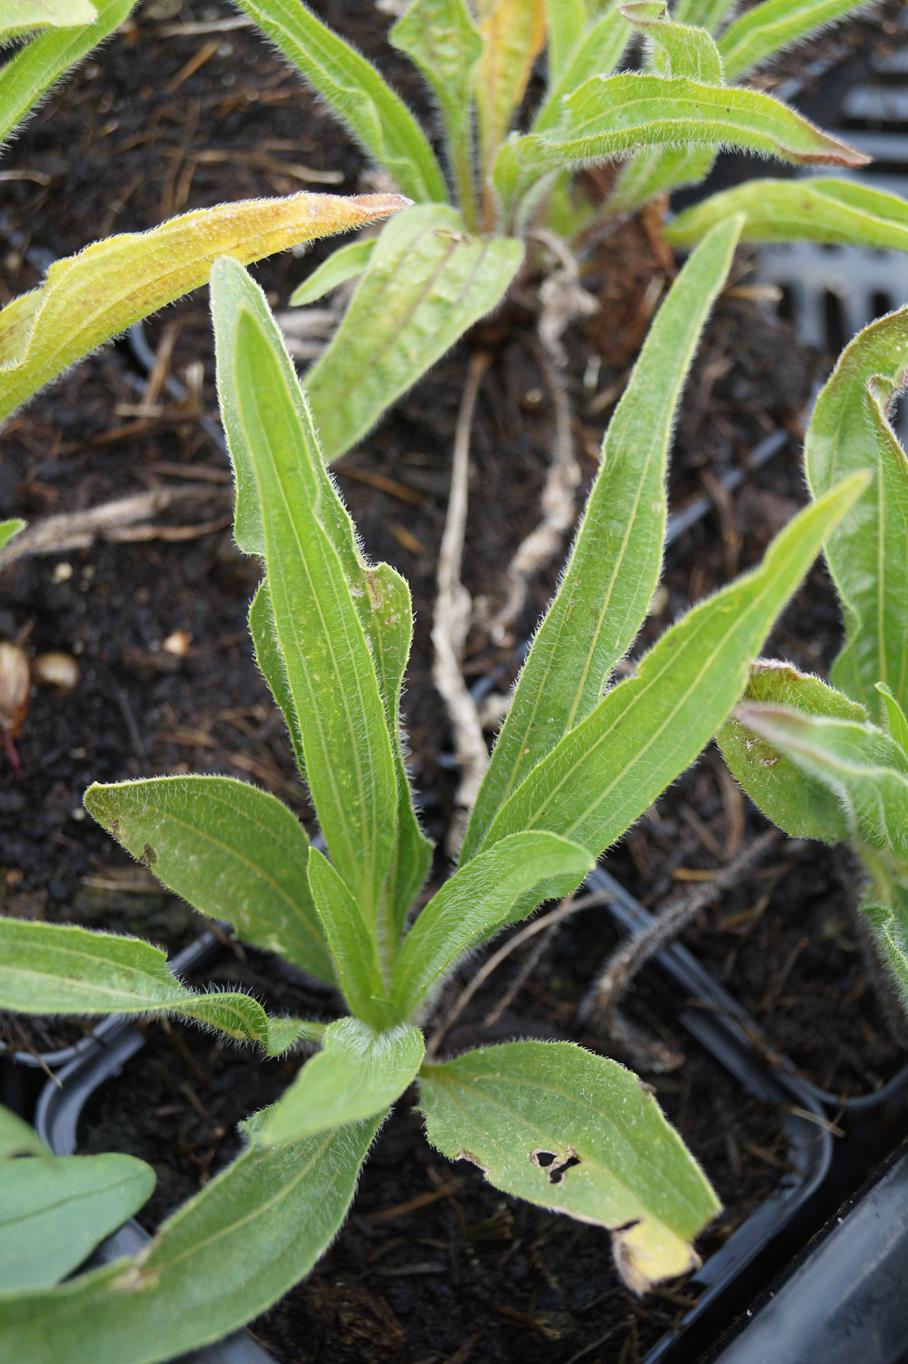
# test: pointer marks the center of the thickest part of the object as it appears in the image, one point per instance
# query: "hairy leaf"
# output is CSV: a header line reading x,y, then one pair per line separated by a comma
x,y
28,75
513,33
818,210
789,796
863,767
271,665
868,551
896,720
253,1232
889,919
611,766
54,1211
353,945
88,298
579,1134
17,1138
427,282
612,115
598,54
676,50
357,1075
232,851
774,25
480,899
379,597
357,631
614,567
18,17
355,93
347,262
708,14
52,969
442,40
10,528
566,21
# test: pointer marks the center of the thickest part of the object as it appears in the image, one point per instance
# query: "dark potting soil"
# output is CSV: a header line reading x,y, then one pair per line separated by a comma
x,y
434,1264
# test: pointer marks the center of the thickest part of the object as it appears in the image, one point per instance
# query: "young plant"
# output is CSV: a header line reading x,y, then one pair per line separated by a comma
x,y
433,272
831,762
577,761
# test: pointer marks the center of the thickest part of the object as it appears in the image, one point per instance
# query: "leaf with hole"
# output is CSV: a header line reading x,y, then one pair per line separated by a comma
x,y
575,1133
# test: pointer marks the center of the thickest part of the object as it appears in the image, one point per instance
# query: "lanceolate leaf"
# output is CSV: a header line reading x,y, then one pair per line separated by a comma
x,y
480,899
17,1138
53,1212
357,1075
708,14
8,529
607,117
441,38
579,1134
345,263
789,796
353,945
229,1253
774,25
565,24
232,851
89,298
271,665
864,768
896,720
677,50
614,567
28,75
889,917
598,54
427,282
513,33
380,597
868,552
611,767
27,16
359,629
819,210
63,969
355,93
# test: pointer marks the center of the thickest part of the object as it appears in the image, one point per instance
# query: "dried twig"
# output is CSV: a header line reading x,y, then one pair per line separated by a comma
x,y
554,916
452,616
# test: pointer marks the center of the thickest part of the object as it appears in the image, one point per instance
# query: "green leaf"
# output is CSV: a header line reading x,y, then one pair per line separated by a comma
x,y
868,552
18,17
578,1134
609,116
10,528
232,851
513,33
644,732
17,1138
54,1211
598,54
345,263
380,596
357,1075
53,969
775,25
442,40
889,921
353,946
706,14
614,566
795,801
896,720
864,768
355,93
288,510
251,1234
818,210
676,50
427,282
28,75
566,21
478,900
271,665
88,298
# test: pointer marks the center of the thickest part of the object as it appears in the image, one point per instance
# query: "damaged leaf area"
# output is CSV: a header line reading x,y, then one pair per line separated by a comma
x,y
578,1134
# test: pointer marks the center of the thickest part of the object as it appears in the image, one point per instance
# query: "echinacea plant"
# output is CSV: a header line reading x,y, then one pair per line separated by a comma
x,y
830,762
577,761
434,271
